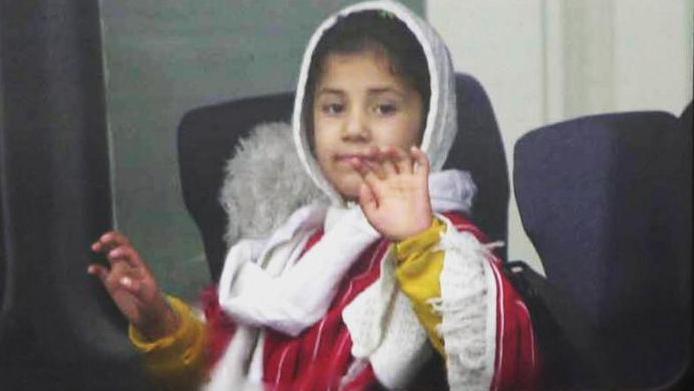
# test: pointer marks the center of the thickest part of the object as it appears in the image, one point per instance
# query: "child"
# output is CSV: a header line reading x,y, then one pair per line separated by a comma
x,y
360,294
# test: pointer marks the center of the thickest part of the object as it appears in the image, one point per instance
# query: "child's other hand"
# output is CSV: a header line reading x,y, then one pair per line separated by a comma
x,y
395,192
132,287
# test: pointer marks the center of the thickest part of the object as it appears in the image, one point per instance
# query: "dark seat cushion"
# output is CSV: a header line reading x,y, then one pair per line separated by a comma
x,y
207,137
603,199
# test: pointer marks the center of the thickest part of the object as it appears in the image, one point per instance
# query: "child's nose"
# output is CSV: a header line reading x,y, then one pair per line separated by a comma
x,y
356,126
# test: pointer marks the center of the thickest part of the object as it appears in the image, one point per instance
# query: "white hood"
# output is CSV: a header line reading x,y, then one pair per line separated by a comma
x,y
441,124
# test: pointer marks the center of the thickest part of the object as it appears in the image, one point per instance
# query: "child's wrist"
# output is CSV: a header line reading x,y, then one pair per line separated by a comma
x,y
164,322
418,243
422,226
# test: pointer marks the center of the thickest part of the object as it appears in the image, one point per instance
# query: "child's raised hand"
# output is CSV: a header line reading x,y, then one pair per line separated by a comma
x,y
395,193
132,287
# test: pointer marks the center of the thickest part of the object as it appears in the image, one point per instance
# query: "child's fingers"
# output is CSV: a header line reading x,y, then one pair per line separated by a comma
x,y
367,200
110,240
99,271
122,276
125,254
421,161
375,166
385,157
116,277
114,238
372,160
402,160
365,171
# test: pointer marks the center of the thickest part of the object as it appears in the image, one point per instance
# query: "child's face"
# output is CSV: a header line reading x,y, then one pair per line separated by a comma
x,y
358,103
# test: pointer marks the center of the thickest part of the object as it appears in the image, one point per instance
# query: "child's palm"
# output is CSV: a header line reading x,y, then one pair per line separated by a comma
x,y
395,195
126,300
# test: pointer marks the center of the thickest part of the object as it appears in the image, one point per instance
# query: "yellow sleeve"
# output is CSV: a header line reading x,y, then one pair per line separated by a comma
x,y
418,270
177,361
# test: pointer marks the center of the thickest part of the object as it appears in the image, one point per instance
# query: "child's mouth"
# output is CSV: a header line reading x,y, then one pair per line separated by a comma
x,y
347,157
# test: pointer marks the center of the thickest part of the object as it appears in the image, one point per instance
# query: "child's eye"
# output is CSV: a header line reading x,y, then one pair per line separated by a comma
x,y
385,109
332,108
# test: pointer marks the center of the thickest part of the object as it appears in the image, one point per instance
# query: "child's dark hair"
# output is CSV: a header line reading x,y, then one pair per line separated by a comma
x,y
377,31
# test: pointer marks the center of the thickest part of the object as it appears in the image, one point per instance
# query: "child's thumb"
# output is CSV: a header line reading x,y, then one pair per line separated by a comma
x,y
367,199
99,271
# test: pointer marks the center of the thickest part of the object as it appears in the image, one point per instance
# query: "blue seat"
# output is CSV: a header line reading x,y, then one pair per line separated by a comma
x,y
606,200
207,137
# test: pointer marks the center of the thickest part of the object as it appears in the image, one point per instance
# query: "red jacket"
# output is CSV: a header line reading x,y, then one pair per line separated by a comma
x,y
320,356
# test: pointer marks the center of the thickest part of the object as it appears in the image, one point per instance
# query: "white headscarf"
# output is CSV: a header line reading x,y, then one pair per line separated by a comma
x,y
441,124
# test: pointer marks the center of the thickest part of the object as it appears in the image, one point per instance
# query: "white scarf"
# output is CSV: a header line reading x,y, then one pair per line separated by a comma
x,y
266,283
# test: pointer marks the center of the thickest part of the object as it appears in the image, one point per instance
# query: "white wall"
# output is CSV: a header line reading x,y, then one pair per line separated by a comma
x,y
543,61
